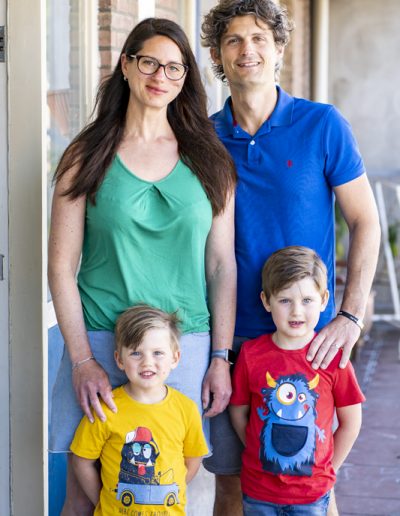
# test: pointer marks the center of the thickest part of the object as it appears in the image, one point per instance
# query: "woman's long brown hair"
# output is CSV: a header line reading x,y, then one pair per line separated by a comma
x,y
94,148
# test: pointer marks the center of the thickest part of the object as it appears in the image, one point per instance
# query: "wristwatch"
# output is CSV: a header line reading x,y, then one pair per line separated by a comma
x,y
226,354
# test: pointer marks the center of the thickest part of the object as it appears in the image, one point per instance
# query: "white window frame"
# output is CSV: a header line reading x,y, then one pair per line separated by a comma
x,y
27,255
146,9
5,501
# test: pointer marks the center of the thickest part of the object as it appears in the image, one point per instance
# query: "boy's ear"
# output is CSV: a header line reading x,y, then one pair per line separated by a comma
x,y
265,302
325,299
214,53
118,360
175,360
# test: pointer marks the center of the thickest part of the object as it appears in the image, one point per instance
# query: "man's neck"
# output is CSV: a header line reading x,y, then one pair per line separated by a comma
x,y
252,107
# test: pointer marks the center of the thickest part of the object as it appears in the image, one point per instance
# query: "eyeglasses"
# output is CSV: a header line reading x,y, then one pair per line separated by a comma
x,y
149,66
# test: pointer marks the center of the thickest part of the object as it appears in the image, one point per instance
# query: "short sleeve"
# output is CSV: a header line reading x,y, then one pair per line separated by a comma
x,y
89,438
240,383
346,390
343,161
194,444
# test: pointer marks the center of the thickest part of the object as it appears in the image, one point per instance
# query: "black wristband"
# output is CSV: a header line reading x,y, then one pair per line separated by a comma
x,y
353,318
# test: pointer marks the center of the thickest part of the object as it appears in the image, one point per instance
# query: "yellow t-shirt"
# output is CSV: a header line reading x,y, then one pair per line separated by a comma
x,y
142,449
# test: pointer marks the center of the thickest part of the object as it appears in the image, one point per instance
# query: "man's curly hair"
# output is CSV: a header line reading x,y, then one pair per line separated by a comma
x,y
217,20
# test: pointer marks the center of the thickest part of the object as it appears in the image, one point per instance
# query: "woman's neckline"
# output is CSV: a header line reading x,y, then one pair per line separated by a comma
x,y
157,181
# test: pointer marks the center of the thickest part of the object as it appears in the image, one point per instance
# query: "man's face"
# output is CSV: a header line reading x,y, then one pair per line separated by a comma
x,y
248,53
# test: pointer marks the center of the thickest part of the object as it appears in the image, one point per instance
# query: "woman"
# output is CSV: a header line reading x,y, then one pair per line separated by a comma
x,y
145,193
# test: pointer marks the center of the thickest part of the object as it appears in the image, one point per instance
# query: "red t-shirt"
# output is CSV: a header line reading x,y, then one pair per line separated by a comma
x,y
289,439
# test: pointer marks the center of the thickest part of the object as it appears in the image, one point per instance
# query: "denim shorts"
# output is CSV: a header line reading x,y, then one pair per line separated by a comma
x,y
226,458
187,378
253,507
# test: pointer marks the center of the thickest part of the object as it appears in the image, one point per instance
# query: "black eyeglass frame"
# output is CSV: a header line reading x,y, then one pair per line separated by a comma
x,y
138,57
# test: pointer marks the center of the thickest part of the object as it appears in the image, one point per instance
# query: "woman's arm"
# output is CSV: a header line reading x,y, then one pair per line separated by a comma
x,y
239,418
88,475
192,465
65,245
349,427
221,288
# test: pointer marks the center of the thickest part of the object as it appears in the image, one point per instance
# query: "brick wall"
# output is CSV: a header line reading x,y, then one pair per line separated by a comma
x,y
116,19
295,75
168,9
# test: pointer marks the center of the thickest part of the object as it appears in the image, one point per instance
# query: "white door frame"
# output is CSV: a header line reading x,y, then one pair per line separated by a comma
x,y
5,507
27,255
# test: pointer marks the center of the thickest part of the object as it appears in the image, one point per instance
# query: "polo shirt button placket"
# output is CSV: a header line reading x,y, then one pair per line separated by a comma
x,y
252,151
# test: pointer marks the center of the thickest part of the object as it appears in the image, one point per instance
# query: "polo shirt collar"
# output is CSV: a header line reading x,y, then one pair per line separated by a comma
x,y
281,115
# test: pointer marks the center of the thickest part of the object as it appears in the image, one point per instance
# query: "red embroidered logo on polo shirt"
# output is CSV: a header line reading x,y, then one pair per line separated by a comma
x,y
289,163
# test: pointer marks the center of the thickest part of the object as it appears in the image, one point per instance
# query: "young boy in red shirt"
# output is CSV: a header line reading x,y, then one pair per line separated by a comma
x,y
281,408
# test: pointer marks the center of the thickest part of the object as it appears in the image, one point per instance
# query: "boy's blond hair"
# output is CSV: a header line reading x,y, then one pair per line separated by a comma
x,y
291,264
132,325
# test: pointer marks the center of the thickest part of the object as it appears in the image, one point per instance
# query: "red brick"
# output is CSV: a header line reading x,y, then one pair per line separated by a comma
x,y
167,13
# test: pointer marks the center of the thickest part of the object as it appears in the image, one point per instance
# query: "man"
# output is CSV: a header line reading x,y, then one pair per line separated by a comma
x,y
293,157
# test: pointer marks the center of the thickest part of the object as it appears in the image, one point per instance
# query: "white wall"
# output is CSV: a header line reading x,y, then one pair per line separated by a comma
x,y
365,76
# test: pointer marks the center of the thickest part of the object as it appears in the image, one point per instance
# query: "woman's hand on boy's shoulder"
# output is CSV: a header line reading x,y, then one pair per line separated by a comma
x,y
91,384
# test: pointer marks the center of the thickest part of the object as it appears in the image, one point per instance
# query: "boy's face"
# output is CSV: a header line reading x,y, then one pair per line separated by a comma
x,y
148,366
295,311
248,53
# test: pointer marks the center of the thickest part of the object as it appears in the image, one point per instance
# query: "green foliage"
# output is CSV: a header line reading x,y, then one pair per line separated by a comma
x,y
393,231
341,234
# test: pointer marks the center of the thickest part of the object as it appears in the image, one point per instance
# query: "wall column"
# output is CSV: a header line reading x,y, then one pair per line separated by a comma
x,y
320,50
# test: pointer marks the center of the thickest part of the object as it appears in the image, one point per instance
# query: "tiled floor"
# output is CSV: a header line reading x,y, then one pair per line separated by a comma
x,y
369,481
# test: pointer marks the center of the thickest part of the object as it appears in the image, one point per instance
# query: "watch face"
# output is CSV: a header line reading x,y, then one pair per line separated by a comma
x,y
231,356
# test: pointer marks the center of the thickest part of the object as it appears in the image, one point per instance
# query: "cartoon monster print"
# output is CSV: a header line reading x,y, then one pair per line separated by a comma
x,y
288,436
139,455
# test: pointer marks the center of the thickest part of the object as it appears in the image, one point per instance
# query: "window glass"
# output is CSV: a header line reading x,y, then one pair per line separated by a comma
x,y
68,106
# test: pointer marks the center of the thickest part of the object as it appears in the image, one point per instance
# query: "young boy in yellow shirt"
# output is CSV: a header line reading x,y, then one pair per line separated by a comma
x,y
153,445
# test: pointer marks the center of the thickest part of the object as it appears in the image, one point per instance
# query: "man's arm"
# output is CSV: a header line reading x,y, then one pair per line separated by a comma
x,y
87,472
358,207
239,418
221,289
346,433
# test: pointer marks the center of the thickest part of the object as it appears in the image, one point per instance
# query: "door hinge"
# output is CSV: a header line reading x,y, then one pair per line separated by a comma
x,y
1,267
2,44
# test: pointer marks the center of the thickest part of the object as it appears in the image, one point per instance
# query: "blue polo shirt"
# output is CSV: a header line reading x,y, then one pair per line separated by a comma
x,y
287,172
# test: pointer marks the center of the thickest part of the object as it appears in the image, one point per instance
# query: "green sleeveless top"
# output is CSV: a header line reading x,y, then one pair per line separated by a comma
x,y
144,242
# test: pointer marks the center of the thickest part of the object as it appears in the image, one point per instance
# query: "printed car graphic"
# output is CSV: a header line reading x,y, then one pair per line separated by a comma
x,y
148,494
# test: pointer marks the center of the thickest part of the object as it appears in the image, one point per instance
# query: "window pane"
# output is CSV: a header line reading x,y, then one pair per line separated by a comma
x,y
67,109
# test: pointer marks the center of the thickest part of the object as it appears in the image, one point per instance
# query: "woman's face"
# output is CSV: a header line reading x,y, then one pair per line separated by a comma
x,y
154,90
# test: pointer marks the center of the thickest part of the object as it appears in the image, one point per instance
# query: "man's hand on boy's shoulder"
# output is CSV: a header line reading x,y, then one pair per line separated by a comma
x,y
340,333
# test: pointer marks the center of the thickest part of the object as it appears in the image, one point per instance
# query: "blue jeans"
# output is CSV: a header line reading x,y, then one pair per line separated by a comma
x,y
253,507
